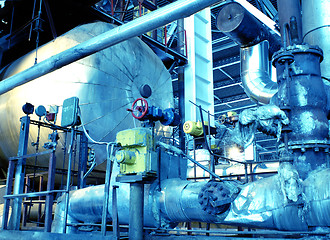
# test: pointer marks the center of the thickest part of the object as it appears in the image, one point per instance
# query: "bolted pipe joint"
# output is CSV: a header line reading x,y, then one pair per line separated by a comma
x,y
215,198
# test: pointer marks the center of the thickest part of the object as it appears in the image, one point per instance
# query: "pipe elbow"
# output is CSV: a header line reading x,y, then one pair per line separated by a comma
x,y
258,86
255,73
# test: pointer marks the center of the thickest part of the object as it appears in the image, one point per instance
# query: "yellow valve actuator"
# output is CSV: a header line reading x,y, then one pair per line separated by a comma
x,y
193,128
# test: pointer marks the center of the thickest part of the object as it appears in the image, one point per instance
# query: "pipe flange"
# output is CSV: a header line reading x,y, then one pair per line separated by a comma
x,y
215,198
306,48
285,54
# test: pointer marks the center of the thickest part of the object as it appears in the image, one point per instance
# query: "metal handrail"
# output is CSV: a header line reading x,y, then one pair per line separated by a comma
x,y
30,155
34,194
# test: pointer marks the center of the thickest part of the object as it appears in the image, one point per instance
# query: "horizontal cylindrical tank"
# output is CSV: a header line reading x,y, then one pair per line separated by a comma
x,y
106,84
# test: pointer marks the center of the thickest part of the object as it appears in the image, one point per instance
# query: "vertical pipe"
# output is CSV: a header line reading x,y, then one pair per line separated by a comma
x,y
189,228
165,35
140,6
25,212
195,166
27,184
181,37
115,221
20,173
31,27
136,211
50,197
106,197
64,156
83,155
68,180
286,10
25,205
39,198
212,160
251,172
9,185
246,173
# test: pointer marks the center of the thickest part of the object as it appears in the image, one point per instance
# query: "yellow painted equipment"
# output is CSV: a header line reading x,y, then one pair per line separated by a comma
x,y
137,155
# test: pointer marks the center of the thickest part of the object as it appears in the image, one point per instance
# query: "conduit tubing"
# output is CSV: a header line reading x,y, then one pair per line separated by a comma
x,y
177,10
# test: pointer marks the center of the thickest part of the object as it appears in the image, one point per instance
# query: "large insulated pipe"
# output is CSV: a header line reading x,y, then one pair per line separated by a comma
x,y
282,202
256,73
176,10
242,27
176,201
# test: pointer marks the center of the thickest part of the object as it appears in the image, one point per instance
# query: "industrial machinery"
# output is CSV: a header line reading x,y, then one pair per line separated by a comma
x,y
146,187
102,90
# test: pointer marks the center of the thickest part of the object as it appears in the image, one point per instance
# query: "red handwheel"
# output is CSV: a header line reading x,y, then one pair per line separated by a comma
x,y
139,108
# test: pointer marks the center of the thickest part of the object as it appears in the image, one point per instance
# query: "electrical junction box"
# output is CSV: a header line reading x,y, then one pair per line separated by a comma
x,y
138,155
70,112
